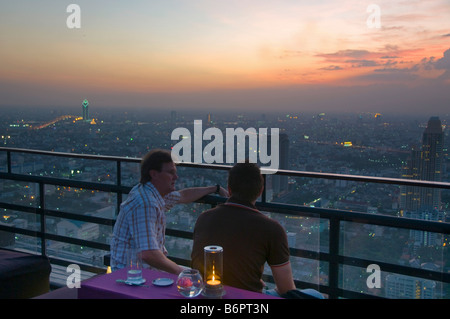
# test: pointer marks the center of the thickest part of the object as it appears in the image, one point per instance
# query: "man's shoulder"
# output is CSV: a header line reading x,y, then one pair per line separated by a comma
x,y
140,196
211,211
214,212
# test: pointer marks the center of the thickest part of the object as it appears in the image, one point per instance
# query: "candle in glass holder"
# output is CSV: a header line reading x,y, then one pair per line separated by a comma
x,y
213,272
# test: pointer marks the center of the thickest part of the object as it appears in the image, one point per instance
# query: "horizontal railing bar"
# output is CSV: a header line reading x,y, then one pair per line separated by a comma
x,y
309,254
25,209
59,213
22,231
356,178
398,269
82,218
77,241
180,261
384,266
113,188
179,233
64,262
358,217
72,155
343,215
64,239
368,179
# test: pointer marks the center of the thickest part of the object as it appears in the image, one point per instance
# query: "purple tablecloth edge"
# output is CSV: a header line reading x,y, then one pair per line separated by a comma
x,y
106,287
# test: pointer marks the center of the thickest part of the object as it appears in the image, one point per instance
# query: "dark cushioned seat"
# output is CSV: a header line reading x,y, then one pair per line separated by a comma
x,y
23,275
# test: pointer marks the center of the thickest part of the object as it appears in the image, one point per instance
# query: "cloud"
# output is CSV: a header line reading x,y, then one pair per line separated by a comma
x,y
362,63
345,54
414,68
444,62
427,69
389,57
331,68
391,64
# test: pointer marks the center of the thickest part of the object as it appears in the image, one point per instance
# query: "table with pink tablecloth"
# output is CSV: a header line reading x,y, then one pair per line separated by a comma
x,y
106,287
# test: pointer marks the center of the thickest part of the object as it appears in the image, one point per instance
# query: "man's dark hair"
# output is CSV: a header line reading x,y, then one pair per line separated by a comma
x,y
153,160
245,181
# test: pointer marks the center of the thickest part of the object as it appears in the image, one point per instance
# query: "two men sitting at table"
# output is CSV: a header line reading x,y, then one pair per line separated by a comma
x,y
249,238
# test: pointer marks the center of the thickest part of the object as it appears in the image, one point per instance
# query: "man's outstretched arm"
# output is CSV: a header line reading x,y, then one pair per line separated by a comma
x,y
189,195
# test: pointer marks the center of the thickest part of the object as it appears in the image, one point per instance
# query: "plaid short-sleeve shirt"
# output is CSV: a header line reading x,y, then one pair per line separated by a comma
x,y
141,222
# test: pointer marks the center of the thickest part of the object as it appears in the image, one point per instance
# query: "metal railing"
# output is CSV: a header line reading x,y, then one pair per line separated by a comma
x,y
332,255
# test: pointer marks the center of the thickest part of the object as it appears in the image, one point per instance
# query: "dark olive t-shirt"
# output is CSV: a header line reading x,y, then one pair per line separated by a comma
x,y
249,239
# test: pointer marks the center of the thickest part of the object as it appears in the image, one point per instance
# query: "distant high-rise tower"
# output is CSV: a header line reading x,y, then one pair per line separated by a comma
x,y
85,109
431,162
425,164
209,118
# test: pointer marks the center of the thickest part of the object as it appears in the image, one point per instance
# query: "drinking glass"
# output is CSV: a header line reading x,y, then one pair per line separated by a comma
x,y
134,267
190,283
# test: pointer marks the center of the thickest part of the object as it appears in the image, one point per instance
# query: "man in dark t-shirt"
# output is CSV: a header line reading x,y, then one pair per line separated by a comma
x,y
249,238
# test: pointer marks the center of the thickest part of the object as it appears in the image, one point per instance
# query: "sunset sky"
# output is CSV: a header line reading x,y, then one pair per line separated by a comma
x,y
236,54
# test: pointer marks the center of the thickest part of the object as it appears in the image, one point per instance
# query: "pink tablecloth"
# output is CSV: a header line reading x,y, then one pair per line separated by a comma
x,y
106,287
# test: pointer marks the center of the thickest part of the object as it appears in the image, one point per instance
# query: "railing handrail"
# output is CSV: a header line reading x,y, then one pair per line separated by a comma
x,y
335,176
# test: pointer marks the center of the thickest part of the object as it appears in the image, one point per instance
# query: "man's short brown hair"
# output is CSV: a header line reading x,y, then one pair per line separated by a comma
x,y
245,181
153,160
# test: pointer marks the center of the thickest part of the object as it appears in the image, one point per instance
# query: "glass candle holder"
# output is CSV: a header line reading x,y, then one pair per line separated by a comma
x,y
190,283
213,272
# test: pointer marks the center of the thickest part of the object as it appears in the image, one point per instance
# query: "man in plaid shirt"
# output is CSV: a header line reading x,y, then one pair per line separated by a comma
x,y
141,222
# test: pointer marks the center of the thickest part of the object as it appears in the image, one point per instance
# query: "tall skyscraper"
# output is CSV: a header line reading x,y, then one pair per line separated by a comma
x,y
425,164
85,110
431,162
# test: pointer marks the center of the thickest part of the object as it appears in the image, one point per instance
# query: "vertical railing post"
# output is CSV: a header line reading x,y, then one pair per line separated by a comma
x,y
119,184
333,276
42,218
8,161
263,195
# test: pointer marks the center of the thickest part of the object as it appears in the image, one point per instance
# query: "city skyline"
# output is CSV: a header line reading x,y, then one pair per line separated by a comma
x,y
208,55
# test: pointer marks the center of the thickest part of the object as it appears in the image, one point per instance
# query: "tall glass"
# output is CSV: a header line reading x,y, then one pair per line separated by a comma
x,y
134,267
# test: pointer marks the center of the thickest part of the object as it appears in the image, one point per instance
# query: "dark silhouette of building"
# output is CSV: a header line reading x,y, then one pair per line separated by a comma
x,y
425,164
